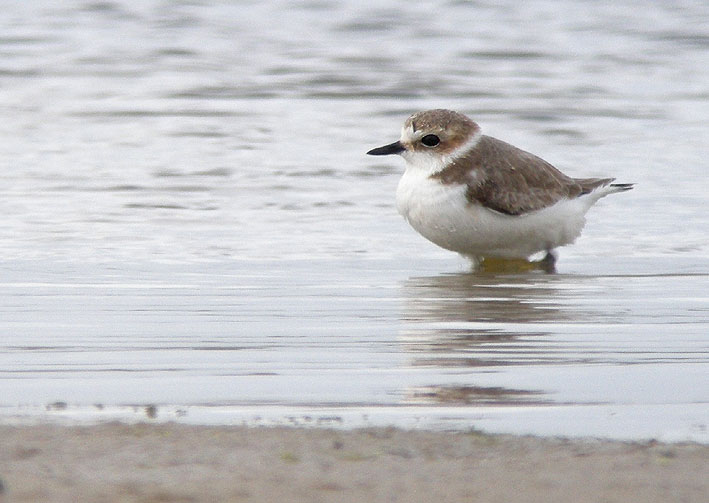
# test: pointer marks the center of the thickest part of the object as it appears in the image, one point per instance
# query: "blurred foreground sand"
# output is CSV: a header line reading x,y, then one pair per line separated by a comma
x,y
183,463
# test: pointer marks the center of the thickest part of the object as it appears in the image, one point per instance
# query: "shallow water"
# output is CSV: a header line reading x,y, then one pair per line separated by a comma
x,y
191,222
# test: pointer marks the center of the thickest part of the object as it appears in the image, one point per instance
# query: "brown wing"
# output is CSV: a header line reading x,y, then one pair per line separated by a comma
x,y
511,181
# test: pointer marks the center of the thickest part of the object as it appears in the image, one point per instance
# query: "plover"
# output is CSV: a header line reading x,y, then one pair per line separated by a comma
x,y
484,198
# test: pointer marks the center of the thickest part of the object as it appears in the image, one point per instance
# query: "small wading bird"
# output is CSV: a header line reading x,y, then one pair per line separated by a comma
x,y
484,198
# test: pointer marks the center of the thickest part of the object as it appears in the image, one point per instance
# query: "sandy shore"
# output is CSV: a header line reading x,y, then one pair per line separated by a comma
x,y
182,463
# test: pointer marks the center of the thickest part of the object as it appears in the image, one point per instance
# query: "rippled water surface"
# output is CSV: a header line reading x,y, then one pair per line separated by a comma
x,y
192,230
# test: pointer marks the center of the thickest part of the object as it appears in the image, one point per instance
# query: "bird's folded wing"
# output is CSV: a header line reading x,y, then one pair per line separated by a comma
x,y
509,180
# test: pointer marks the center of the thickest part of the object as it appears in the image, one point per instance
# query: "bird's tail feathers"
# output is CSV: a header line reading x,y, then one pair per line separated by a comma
x,y
601,187
620,187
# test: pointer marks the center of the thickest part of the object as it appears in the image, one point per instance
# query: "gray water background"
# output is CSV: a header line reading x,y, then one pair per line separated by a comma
x,y
191,227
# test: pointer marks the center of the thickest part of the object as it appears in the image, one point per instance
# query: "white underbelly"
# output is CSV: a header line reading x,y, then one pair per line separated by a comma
x,y
442,214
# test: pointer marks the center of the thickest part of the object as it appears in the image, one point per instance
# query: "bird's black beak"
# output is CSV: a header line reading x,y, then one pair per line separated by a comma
x,y
392,148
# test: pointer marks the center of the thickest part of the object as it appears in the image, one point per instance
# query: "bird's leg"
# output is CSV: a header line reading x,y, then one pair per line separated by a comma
x,y
548,263
517,265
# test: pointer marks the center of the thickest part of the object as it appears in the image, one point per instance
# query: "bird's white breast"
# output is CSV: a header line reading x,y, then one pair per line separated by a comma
x,y
435,210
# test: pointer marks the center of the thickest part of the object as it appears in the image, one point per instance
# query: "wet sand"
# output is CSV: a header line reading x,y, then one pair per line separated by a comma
x,y
182,463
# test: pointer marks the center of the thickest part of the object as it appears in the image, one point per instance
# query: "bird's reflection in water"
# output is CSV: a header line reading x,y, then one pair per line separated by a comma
x,y
483,323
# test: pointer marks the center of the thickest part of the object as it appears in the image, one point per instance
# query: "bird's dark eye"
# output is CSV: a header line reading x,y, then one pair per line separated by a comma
x,y
430,140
